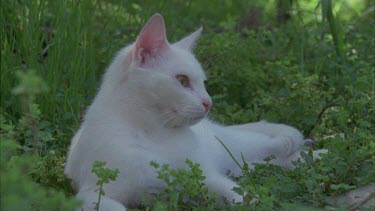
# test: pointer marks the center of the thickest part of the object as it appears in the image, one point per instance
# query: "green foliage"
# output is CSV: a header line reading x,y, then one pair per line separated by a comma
x,y
105,175
309,184
25,175
314,71
48,171
19,191
185,188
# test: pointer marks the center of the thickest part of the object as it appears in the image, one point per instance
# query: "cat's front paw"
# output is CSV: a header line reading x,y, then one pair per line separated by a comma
x,y
317,153
233,197
288,162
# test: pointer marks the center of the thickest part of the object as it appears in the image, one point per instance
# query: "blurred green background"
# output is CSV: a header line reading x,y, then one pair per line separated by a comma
x,y
306,63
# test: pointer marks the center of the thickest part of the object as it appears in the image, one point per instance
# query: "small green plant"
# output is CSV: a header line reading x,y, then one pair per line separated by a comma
x,y
184,187
29,87
105,175
23,185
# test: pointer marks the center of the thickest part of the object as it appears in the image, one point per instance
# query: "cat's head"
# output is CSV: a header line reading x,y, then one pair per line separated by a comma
x,y
166,79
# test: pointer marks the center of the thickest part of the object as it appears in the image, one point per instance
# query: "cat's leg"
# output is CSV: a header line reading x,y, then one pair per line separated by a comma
x,y
89,199
285,145
288,161
222,186
269,129
291,141
255,145
283,140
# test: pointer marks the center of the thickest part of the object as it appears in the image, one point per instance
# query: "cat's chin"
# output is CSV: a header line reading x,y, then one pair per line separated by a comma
x,y
186,122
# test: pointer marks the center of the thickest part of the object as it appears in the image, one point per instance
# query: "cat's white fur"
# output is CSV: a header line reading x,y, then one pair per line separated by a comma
x,y
142,113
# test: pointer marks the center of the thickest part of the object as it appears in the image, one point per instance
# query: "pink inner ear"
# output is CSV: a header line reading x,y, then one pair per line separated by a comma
x,y
152,39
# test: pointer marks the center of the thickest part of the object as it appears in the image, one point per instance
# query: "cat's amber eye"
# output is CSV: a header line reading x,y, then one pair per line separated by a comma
x,y
183,80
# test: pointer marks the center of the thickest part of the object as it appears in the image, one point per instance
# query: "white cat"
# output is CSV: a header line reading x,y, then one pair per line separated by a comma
x,y
152,107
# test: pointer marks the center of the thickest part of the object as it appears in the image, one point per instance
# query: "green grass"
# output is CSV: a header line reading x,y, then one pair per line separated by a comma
x,y
315,72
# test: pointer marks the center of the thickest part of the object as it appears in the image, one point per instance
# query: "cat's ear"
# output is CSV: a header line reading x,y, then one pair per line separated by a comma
x,y
152,40
188,42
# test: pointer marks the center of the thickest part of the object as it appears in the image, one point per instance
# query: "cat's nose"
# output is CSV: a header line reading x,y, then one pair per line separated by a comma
x,y
207,105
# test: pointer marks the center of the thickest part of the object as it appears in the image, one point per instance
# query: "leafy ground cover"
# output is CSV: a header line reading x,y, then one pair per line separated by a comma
x,y
309,64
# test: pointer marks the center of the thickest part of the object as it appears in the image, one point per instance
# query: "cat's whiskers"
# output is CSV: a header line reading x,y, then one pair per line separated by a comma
x,y
169,111
193,108
173,117
189,114
191,120
209,61
169,117
200,52
177,120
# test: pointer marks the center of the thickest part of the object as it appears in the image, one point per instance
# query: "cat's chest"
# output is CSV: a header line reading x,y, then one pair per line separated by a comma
x,y
167,143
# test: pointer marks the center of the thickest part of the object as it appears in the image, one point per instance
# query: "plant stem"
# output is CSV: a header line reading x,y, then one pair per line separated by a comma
x,y
100,195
